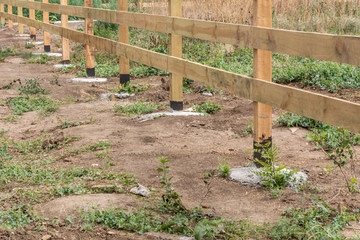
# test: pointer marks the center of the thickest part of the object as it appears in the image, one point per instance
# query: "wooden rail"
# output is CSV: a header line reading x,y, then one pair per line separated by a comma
x,y
320,107
327,47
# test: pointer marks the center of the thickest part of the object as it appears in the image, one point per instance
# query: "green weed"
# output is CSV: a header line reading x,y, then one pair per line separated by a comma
x,y
207,108
29,45
132,88
68,124
275,176
224,169
32,86
136,108
18,216
249,129
23,104
42,59
319,222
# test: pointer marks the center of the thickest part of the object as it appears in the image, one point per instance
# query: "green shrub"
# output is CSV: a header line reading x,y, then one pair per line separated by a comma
x,y
32,86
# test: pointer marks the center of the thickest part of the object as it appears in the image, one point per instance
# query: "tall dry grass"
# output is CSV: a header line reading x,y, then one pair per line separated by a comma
x,y
340,16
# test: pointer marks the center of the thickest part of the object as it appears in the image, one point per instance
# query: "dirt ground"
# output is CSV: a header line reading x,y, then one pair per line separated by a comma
x,y
195,145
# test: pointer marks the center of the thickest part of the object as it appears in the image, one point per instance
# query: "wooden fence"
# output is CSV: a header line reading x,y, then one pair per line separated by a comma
x,y
342,49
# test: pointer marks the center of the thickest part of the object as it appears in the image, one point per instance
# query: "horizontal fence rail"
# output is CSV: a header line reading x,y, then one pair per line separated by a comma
x,y
327,47
320,107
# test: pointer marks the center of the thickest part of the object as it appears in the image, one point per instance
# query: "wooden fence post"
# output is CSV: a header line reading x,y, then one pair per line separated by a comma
x,y
2,20
262,70
20,26
89,50
46,34
175,49
32,29
10,12
65,41
124,66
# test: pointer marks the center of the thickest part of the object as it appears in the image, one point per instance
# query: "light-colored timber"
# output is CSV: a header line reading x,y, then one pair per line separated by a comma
x,y
10,12
320,107
46,20
262,17
65,41
175,49
89,50
327,47
20,26
2,19
32,16
124,64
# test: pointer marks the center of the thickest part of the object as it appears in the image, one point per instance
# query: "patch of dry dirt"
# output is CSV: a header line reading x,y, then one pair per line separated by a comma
x,y
195,145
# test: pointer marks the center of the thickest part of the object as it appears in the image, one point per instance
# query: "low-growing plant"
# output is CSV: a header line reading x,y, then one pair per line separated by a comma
x,y
32,86
249,129
224,169
132,88
18,216
207,108
171,199
319,222
275,175
136,108
42,59
68,124
29,45
23,104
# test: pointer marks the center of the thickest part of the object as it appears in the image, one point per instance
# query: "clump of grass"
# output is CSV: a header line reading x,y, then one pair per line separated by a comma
x,y
18,216
207,108
136,108
132,88
68,124
23,104
32,86
42,59
330,135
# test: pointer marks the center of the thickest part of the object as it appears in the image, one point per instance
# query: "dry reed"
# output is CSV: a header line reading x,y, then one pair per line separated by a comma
x,y
340,16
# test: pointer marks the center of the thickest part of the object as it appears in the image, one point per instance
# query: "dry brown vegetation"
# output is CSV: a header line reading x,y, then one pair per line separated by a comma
x,y
336,16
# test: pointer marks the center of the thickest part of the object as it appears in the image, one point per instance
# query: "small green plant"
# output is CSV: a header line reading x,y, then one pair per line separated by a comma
x,y
22,104
136,108
29,45
42,59
4,155
68,124
207,108
342,154
224,169
55,81
2,132
249,129
171,199
132,88
32,86
319,222
274,177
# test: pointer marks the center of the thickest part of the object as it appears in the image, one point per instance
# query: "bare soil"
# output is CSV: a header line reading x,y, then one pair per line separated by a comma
x,y
195,145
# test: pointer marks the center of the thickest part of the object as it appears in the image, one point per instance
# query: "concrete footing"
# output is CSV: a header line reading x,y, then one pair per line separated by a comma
x,y
247,176
89,79
49,54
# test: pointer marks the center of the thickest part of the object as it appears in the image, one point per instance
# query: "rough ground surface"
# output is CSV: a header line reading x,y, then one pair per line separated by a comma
x,y
195,145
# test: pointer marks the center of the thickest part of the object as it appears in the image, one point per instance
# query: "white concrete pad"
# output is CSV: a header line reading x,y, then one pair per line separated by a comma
x,y
35,43
247,176
49,54
168,114
58,66
22,35
89,79
117,95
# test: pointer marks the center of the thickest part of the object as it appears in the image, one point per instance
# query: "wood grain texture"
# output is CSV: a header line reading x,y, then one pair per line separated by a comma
x,y
124,64
46,20
32,16
20,26
175,49
2,19
262,70
65,41
89,29
319,46
320,107
10,23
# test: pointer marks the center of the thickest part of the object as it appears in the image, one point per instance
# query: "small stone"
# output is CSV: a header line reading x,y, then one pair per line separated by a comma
x,y
207,94
111,233
94,165
46,237
140,190
293,130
